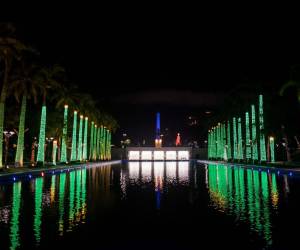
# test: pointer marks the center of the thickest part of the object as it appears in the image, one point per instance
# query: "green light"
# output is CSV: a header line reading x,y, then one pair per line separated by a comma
x,y
74,138
98,143
214,144
262,140
54,150
63,156
91,141
109,145
102,143
84,157
225,157
208,145
38,209
272,149
229,156
235,143
218,141
95,143
20,145
42,137
79,146
1,131
254,137
248,141
240,143
105,144
72,197
15,214
61,195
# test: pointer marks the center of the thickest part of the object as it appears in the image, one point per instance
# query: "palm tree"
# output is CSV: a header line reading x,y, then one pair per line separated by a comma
x,y
48,79
24,87
10,48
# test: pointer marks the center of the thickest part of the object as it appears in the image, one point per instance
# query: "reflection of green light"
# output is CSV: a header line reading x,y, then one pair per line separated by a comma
x,y
78,190
20,145
272,149
254,138
91,141
256,184
250,197
235,143
274,191
83,193
248,146
240,142
63,156
242,193
61,195
79,146
38,209
262,142
228,141
266,213
42,138
72,197
84,157
14,224
74,138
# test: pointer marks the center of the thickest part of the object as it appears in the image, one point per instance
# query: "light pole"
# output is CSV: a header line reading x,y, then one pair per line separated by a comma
x,y
7,135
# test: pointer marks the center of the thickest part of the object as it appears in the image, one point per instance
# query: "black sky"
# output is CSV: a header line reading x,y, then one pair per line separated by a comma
x,y
135,69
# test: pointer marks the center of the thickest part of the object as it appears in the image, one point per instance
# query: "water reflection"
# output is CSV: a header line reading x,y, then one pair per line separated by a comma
x,y
14,224
38,209
250,201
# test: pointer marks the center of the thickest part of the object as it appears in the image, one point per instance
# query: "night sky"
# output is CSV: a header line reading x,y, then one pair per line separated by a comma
x,y
135,70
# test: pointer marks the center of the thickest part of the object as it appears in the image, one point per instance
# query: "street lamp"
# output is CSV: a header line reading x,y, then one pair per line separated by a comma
x,y
7,135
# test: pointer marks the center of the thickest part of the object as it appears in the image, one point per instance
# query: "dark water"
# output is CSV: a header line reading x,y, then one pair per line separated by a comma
x,y
145,205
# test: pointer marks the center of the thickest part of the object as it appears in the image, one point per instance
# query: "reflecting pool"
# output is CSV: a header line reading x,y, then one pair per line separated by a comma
x,y
152,205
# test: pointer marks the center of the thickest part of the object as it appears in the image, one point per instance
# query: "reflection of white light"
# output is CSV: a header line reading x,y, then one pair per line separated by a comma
x,y
171,155
134,155
146,155
183,155
171,169
183,170
158,169
134,170
146,170
158,155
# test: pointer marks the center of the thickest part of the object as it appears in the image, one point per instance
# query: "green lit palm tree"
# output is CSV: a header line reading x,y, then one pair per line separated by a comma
x,y
23,87
10,49
48,78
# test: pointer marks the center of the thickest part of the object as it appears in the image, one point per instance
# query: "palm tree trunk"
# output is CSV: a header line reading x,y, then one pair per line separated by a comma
x,y
42,134
20,146
2,101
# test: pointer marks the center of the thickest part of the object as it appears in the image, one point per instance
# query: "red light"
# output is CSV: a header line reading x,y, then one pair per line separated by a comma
x,y
42,174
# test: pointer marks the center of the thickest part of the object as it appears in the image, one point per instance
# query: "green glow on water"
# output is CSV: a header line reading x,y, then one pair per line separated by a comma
x,y
72,198
61,196
262,139
42,137
37,222
235,142
83,194
91,141
63,156
84,156
248,140
74,138
15,214
254,136
246,195
79,146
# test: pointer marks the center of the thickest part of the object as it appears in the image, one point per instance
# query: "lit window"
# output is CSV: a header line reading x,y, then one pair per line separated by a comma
x,y
134,155
146,155
171,155
159,155
183,155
